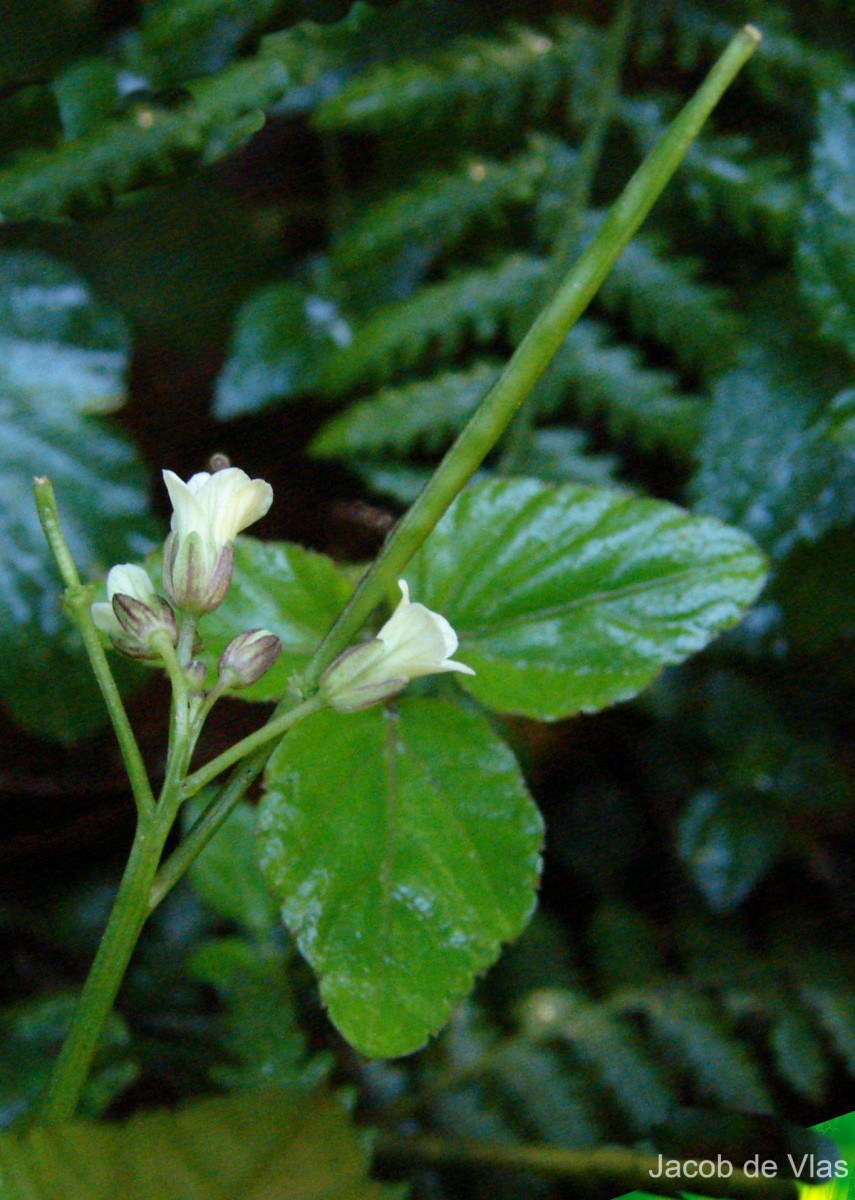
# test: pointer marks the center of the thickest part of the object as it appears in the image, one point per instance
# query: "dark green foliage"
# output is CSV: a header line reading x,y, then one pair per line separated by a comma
x,y
720,1032
352,278
488,81
826,257
437,321
150,142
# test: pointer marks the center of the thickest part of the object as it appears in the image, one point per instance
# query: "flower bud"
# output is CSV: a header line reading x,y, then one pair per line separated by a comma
x,y
134,612
247,657
209,511
414,642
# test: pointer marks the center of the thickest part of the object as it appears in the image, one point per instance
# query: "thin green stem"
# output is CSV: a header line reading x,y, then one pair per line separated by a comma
x,y
102,985
617,1169
254,741
211,820
78,599
533,354
186,639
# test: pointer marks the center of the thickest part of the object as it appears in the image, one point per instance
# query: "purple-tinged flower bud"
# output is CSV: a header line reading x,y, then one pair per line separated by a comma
x,y
247,657
134,613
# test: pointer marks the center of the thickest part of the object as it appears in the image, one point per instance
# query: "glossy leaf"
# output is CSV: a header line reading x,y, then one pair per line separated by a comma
x,y
256,1145
293,592
567,599
826,257
728,842
767,463
63,354
404,849
282,338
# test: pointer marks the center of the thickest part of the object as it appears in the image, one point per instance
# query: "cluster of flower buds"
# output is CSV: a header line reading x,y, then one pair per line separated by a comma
x,y
414,642
209,511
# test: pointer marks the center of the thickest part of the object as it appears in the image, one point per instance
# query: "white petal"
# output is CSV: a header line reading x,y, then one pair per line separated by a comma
x,y
127,579
186,512
105,619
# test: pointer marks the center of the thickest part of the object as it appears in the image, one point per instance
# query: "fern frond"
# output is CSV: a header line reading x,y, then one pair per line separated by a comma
x,y
725,178
608,1050
394,480
594,375
543,1101
667,302
442,208
799,1056
178,38
834,1009
561,455
477,82
150,143
421,415
697,1038
436,321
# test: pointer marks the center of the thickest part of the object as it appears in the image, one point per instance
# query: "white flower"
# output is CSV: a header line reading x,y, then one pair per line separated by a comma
x,y
414,642
209,511
418,641
133,612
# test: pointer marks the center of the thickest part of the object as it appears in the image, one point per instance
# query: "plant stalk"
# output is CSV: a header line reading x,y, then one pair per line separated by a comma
x,y
105,977
534,354
78,600
620,1170
484,429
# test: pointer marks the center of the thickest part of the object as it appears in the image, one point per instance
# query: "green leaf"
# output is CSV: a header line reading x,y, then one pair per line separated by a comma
x,y
86,95
560,455
841,417
32,1035
435,323
226,876
826,256
150,142
63,354
728,842
282,337
295,593
404,849
766,465
254,1145
262,1038
424,414
567,599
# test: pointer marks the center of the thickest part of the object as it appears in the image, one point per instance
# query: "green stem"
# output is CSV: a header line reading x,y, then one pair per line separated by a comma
x,y
186,640
533,354
254,741
211,820
78,599
615,1168
99,992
